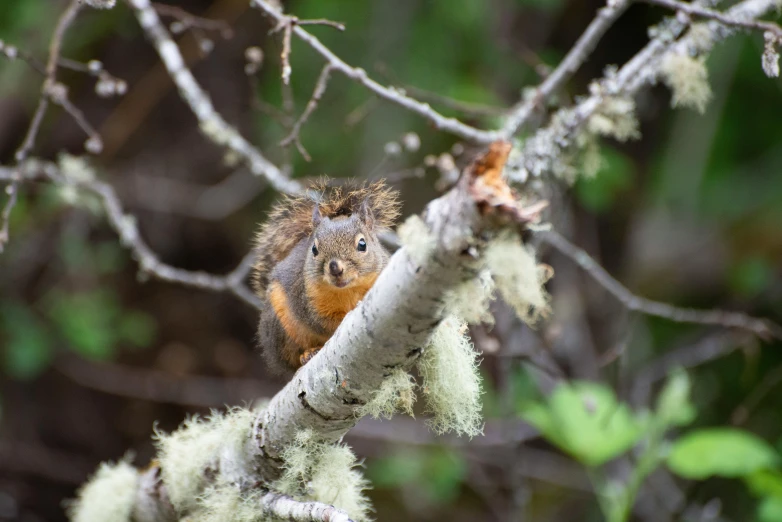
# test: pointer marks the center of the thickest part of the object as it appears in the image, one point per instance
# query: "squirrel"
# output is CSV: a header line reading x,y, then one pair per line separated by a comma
x,y
317,258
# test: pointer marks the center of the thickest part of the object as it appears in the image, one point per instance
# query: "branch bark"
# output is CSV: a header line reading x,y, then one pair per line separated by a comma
x,y
211,122
543,153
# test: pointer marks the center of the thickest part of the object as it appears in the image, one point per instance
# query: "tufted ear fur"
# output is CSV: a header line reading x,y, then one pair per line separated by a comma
x,y
366,215
316,216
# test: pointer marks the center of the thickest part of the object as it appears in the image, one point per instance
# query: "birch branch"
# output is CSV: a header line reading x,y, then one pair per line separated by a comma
x,y
210,121
704,12
49,87
438,121
577,55
126,227
286,508
546,151
760,327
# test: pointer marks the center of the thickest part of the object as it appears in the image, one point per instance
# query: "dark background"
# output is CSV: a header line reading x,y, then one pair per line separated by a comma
x,y
92,358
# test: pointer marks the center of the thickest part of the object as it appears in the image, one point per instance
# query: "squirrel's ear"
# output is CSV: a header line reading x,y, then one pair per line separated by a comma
x,y
316,216
365,214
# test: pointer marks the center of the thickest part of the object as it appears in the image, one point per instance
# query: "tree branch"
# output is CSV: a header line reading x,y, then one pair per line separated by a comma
x,y
286,508
545,152
577,55
127,229
760,327
440,122
711,14
211,122
65,20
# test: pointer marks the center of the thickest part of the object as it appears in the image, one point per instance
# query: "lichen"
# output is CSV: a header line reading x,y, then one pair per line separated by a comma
x,y
315,470
451,383
615,118
471,299
397,393
215,443
688,80
416,238
108,496
224,501
519,278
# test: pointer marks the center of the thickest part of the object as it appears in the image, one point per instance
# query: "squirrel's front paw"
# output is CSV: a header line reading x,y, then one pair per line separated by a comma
x,y
306,356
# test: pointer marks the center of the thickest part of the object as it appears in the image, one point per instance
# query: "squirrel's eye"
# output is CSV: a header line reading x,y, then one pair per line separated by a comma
x,y
362,245
314,250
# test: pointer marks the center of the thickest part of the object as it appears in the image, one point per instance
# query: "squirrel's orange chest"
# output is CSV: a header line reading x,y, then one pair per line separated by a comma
x,y
333,304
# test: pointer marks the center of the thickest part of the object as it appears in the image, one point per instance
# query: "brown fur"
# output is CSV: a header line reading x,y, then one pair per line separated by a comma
x,y
290,220
302,302
297,331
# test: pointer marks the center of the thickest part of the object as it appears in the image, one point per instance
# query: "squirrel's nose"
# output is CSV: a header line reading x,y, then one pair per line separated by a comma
x,y
336,268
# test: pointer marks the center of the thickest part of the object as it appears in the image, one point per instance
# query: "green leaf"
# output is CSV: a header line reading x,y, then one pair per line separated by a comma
x,y
770,510
765,483
585,420
673,404
724,452
28,350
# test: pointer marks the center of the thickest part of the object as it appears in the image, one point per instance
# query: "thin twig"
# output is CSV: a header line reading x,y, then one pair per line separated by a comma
x,y
546,151
127,228
577,55
66,19
359,75
211,122
704,12
769,382
760,327
284,507
189,20
317,94
468,108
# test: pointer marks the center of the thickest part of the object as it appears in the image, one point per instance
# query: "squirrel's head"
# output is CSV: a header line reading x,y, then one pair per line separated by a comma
x,y
344,248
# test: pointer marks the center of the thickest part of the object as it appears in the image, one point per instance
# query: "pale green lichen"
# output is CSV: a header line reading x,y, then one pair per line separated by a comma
x,y
520,279
615,118
471,299
397,393
451,384
224,502
75,168
315,470
215,443
416,238
109,495
688,80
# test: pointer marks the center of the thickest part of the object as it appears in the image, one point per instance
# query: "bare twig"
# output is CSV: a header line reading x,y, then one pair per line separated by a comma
x,y
760,327
126,227
189,20
468,108
546,151
577,55
211,122
286,24
769,382
66,19
317,94
286,508
693,9
439,121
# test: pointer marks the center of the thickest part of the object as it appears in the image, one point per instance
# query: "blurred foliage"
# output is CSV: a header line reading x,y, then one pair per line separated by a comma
x,y
433,476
